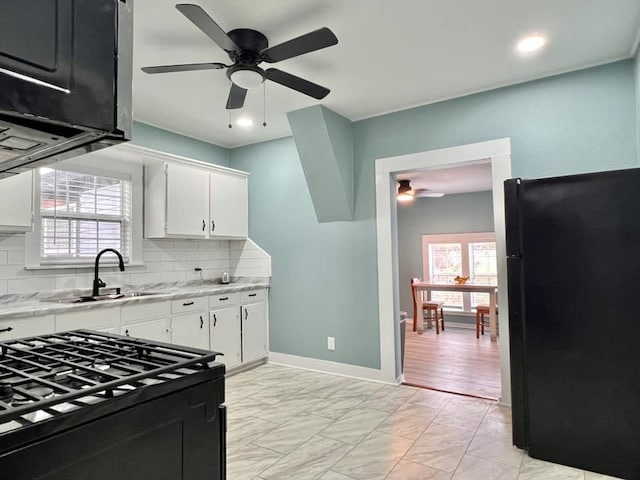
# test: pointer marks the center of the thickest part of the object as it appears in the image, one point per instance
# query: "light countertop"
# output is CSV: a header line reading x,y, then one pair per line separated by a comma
x,y
36,304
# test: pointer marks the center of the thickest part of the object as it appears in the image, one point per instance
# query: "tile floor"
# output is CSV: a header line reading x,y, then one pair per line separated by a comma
x,y
286,423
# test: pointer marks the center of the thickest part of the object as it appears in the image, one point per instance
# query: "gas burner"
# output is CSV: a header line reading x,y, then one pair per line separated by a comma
x,y
43,392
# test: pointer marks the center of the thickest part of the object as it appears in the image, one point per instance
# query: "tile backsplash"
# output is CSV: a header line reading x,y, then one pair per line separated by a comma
x,y
164,261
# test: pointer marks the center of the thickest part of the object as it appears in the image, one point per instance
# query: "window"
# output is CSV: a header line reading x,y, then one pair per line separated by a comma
x,y
470,255
79,211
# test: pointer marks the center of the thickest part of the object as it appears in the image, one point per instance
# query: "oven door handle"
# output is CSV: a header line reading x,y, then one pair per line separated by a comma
x,y
8,329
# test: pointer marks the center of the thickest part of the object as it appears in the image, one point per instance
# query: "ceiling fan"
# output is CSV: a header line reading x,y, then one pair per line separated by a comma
x,y
406,193
247,49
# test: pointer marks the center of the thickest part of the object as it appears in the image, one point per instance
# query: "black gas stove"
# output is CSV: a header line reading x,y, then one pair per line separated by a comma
x,y
89,405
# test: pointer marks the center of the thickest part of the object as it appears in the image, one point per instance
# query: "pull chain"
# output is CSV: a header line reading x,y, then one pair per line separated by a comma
x,y
264,104
229,110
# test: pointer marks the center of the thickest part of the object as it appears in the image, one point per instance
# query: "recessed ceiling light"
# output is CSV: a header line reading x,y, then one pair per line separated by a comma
x,y
244,122
531,44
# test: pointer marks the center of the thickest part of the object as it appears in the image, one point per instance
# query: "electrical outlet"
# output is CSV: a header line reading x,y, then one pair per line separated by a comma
x,y
331,343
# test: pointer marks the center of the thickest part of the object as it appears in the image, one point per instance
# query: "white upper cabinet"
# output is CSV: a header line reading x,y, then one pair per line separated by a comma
x,y
187,197
229,205
16,197
194,200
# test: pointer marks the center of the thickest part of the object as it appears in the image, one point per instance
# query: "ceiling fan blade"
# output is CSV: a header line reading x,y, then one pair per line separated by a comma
x,y
211,29
236,97
425,193
189,67
300,84
309,42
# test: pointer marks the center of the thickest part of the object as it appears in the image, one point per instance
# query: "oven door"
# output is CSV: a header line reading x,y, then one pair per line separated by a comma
x,y
180,436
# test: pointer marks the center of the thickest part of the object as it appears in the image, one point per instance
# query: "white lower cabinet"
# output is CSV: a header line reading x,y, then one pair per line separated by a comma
x,y
189,322
146,320
26,327
191,330
254,331
225,335
235,324
157,330
238,326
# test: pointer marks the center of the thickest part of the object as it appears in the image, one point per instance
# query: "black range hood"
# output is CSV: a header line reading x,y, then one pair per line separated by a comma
x,y
65,79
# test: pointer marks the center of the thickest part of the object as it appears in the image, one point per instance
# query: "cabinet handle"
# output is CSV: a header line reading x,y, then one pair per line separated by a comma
x,y
204,225
222,299
252,294
201,322
213,225
246,314
8,329
186,304
215,320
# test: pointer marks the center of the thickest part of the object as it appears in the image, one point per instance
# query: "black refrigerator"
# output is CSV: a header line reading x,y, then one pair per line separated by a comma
x,y
573,262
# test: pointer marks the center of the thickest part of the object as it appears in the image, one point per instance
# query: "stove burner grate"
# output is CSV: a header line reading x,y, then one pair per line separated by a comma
x,y
55,373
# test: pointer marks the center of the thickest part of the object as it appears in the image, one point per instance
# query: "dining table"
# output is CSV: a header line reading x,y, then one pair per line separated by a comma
x,y
426,287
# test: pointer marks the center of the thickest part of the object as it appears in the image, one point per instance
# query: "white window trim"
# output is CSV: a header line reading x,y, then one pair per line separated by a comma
x,y
116,169
464,239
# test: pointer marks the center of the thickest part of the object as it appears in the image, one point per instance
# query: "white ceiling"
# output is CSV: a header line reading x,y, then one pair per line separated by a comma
x,y
461,178
390,56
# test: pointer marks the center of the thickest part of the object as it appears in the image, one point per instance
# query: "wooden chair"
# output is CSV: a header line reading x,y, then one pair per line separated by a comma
x,y
481,311
433,308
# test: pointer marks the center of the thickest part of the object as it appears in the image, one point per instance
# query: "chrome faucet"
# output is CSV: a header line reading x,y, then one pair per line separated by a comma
x,y
97,283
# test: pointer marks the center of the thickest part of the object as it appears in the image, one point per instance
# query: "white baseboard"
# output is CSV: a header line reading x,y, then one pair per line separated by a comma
x,y
327,366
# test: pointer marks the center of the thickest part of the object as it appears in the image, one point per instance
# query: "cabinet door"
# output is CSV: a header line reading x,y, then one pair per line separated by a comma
x,y
191,330
254,331
225,335
187,201
229,208
16,203
26,327
157,330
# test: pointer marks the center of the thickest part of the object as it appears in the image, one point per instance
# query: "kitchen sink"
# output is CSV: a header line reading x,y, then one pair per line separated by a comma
x,y
98,298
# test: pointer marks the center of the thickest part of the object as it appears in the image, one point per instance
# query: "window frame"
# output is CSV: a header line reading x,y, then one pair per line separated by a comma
x,y
117,169
464,239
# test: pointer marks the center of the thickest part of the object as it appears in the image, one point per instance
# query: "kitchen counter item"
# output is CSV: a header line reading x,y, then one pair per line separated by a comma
x,y
224,278
85,404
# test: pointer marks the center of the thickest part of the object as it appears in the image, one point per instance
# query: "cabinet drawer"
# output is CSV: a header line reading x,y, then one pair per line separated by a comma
x,y
189,305
26,327
224,300
144,311
253,295
92,319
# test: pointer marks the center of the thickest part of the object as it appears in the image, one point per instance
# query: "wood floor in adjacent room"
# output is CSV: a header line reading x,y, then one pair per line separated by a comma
x,y
454,361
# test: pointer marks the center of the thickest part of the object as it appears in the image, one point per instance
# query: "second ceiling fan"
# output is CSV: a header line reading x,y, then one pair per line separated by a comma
x,y
247,49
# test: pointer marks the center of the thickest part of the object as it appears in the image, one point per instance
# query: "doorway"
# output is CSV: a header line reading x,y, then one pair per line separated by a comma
x,y
498,153
446,232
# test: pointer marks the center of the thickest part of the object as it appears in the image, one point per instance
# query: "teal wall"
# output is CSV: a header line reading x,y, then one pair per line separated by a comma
x,y
464,213
151,137
325,275
315,293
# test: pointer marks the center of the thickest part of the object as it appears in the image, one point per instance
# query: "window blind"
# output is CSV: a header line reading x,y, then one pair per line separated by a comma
x,y
82,213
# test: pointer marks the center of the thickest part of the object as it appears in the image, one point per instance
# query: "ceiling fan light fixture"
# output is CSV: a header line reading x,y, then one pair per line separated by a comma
x,y
405,193
246,77
244,122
